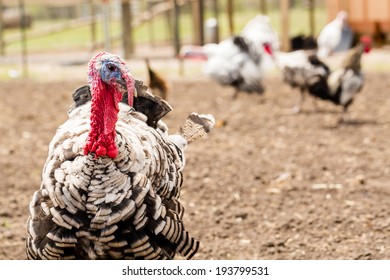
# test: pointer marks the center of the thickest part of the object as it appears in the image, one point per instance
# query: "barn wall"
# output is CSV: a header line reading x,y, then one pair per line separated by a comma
x,y
363,14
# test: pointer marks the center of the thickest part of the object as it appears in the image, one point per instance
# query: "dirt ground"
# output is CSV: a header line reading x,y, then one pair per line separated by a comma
x,y
264,184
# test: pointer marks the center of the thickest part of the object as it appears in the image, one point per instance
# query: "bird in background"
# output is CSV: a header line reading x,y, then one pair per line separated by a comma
x,y
300,69
112,179
313,76
336,36
157,83
260,31
237,61
309,76
345,82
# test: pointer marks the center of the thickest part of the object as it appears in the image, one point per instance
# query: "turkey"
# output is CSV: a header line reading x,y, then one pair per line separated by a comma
x,y
303,71
336,36
157,83
112,179
345,82
260,31
238,61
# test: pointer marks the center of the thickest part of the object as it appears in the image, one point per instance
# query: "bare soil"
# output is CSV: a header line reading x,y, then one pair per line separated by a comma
x,y
265,184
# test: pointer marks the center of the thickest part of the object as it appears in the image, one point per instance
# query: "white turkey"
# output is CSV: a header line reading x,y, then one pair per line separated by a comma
x,y
111,183
336,36
260,31
238,61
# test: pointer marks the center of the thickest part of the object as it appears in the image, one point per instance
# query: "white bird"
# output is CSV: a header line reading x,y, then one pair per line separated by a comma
x,y
260,31
111,183
238,61
335,36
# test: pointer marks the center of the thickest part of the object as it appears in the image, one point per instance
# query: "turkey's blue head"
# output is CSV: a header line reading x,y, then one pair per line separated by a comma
x,y
109,78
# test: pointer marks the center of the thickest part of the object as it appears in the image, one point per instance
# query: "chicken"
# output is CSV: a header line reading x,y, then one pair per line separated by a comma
x,y
335,36
305,72
260,31
111,183
237,61
345,82
157,83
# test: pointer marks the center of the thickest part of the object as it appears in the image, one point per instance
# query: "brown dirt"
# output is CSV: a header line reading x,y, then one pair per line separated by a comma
x,y
263,185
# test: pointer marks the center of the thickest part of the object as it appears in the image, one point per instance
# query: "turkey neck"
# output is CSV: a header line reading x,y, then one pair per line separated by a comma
x,y
353,61
104,115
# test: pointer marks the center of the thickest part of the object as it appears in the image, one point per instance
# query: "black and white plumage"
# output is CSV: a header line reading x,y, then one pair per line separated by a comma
x,y
339,86
302,70
310,76
124,205
345,82
236,62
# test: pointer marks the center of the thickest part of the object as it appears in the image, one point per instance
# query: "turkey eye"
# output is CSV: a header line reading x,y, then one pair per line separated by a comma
x,y
112,68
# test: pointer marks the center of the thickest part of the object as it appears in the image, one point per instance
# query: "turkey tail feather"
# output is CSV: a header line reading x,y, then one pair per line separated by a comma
x,y
196,126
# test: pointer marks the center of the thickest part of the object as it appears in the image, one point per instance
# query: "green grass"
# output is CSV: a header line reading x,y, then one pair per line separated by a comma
x,y
80,38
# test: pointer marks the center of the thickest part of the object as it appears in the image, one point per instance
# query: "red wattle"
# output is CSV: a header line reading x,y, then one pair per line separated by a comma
x,y
104,115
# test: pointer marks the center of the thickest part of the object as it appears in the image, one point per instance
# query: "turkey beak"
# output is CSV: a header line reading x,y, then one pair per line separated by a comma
x,y
122,85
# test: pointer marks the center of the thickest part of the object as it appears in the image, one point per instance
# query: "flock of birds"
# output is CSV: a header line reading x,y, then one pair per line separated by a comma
x,y
241,61
111,182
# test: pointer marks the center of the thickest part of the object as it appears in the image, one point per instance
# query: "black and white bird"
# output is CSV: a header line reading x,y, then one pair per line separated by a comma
x,y
348,80
305,72
309,74
112,179
238,61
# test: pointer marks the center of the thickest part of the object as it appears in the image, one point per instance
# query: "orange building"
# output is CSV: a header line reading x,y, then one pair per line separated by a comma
x,y
371,17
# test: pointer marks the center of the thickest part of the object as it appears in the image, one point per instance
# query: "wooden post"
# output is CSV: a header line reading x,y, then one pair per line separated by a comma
x,y
263,7
23,41
93,24
284,7
127,30
230,16
176,29
198,18
169,15
216,14
151,25
311,4
2,45
201,21
106,25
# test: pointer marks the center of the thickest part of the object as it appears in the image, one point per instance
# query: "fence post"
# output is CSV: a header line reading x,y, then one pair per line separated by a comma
x,y
93,24
285,24
176,31
216,16
106,25
127,30
263,7
198,17
23,38
311,4
230,16
2,44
